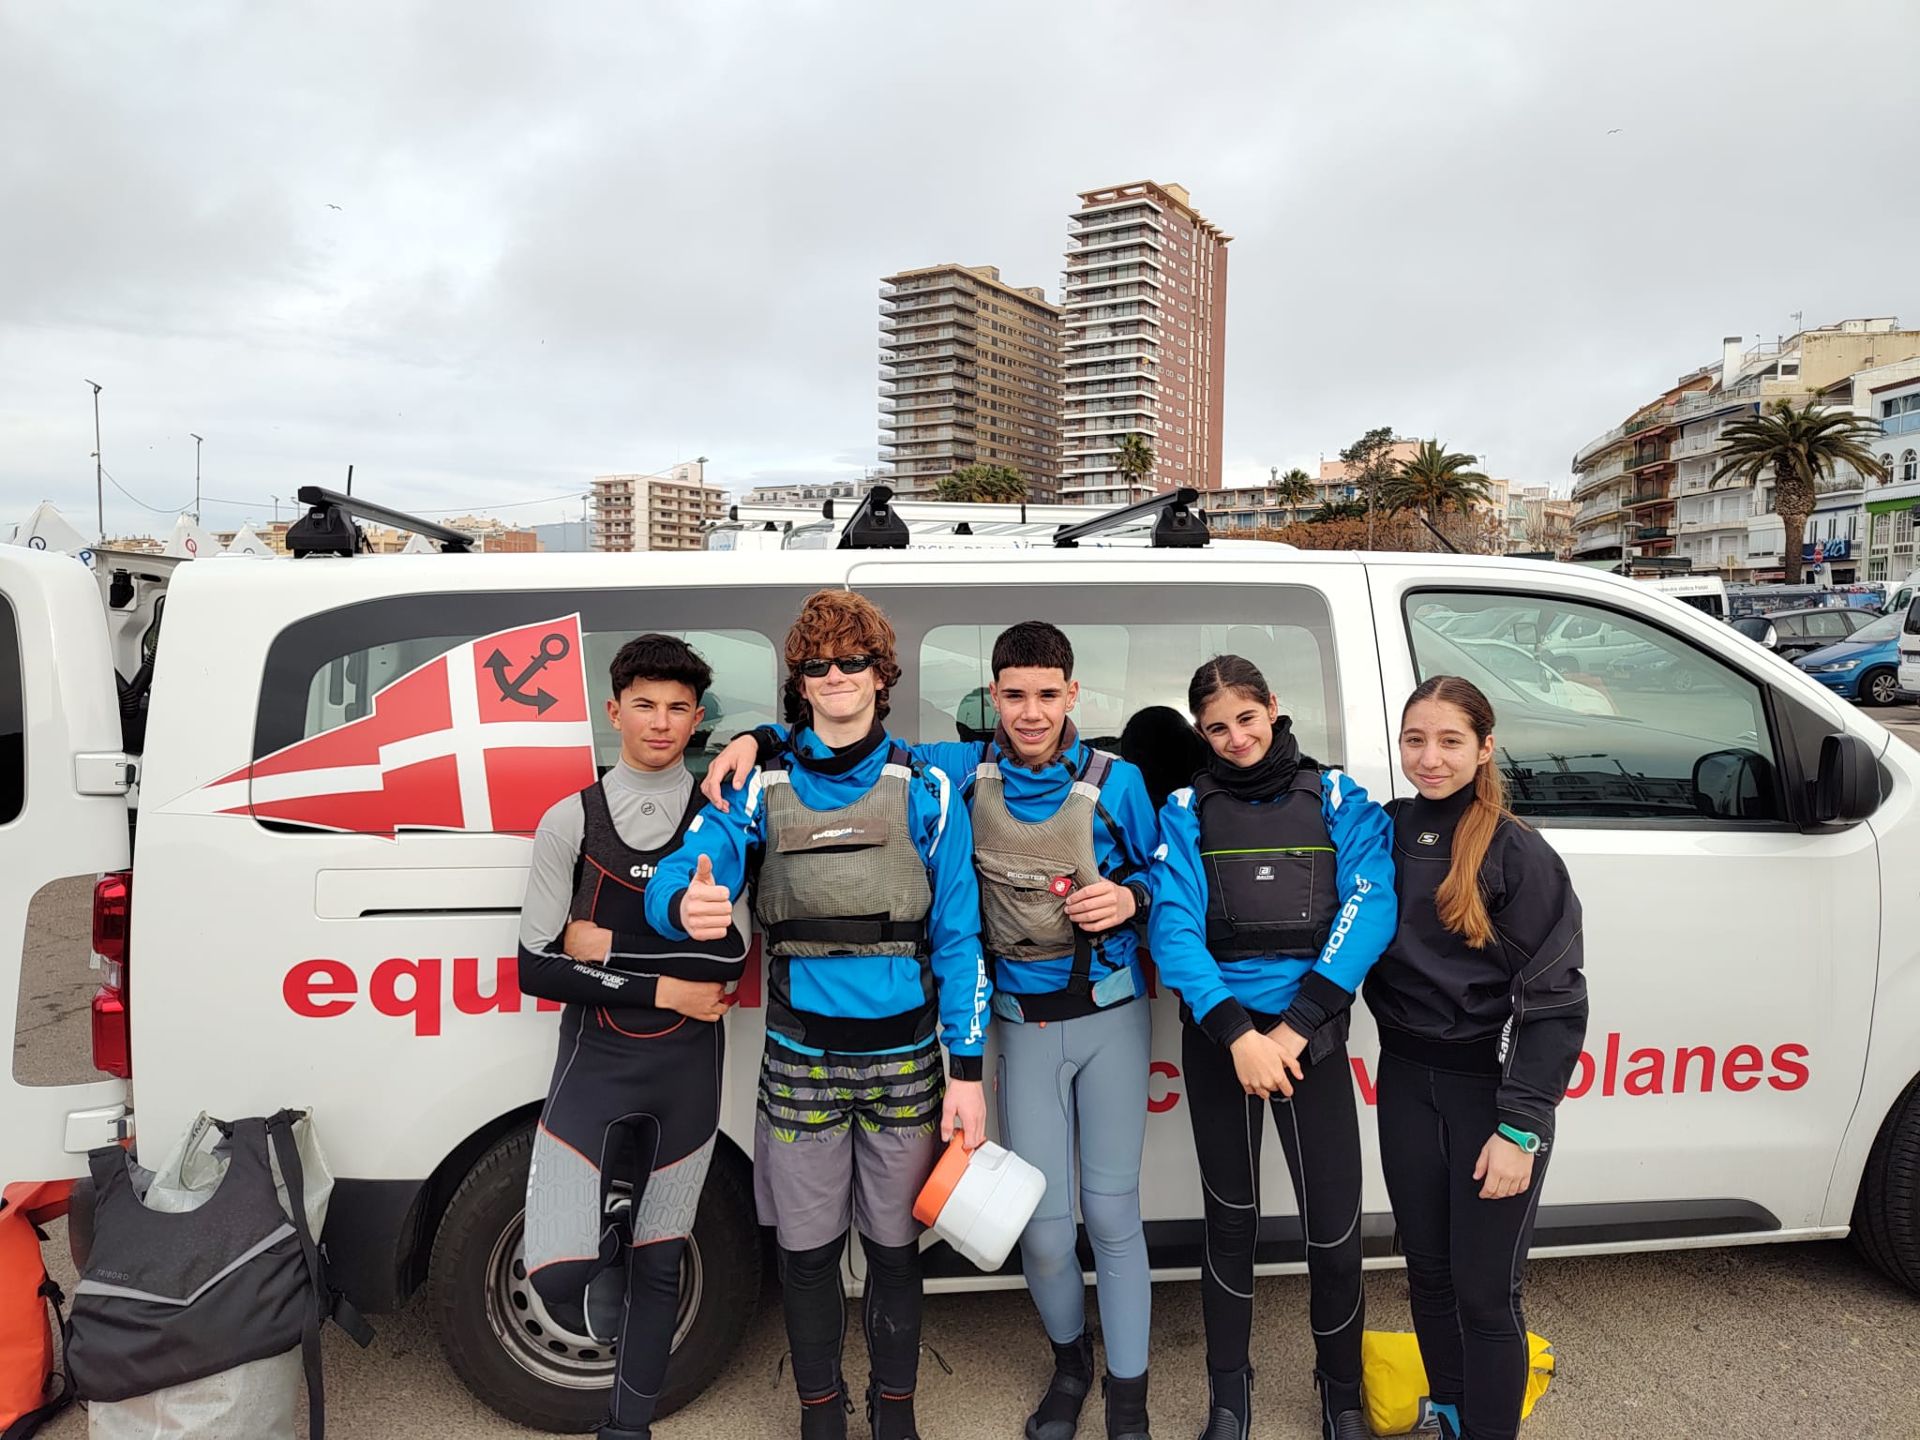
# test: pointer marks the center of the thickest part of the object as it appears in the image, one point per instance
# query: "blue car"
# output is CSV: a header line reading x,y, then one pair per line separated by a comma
x,y
1864,667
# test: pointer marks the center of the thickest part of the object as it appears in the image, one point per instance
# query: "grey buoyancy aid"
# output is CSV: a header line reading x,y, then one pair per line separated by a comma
x,y
1019,860
610,889
848,881
1272,881
169,1298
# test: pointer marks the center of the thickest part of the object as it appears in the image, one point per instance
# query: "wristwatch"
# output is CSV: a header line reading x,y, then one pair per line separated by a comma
x,y
1525,1139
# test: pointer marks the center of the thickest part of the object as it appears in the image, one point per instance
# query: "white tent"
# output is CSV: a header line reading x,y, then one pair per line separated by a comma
x,y
419,545
190,541
245,542
47,529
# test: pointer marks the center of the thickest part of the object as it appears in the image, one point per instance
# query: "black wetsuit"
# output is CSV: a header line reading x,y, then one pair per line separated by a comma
x,y
1471,1039
628,1130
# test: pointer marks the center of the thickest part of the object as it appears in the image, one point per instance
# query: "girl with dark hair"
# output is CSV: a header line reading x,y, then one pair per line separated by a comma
x,y
1482,1009
1272,898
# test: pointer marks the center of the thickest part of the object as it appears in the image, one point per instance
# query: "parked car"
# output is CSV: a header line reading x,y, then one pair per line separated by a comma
x,y
1865,667
322,892
1798,631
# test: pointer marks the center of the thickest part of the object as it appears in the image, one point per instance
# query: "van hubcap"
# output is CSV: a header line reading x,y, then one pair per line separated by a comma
x,y
546,1349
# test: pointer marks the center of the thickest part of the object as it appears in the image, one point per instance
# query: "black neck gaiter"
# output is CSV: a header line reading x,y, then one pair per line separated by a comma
x,y
1268,776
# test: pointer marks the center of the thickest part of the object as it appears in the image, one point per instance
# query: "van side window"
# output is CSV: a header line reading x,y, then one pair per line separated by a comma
x,y
13,720
1601,716
1135,648
326,671
742,695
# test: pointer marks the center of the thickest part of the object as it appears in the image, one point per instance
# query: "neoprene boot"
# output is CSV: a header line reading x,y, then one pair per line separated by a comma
x,y
825,1418
1126,1407
1058,1414
891,1416
1446,1417
611,1431
1341,1417
1230,1404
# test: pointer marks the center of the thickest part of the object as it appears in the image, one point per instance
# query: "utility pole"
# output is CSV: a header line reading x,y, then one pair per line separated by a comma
x,y
197,440
99,469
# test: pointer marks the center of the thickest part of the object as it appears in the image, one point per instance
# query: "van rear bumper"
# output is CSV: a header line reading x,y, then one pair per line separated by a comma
x,y
372,1240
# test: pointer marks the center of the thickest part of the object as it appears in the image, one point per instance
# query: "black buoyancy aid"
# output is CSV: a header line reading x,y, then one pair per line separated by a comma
x,y
168,1298
610,889
1271,869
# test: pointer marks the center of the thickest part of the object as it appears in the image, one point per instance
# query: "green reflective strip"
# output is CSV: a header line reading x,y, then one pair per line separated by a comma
x,y
1303,850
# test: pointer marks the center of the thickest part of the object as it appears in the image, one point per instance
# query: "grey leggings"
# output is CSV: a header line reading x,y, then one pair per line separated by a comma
x,y
1076,1091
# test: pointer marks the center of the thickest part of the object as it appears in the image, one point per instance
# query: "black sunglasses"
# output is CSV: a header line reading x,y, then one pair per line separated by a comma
x,y
849,665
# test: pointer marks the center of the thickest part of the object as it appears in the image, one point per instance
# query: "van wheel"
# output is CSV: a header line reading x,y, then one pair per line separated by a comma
x,y
1880,687
507,1350
1886,1217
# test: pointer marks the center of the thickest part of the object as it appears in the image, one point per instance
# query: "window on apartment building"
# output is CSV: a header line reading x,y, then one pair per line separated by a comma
x,y
1909,468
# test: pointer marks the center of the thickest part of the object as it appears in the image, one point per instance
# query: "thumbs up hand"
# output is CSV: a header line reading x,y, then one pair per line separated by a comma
x,y
706,909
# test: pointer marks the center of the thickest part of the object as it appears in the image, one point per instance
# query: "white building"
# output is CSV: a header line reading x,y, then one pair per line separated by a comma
x,y
1891,497
656,512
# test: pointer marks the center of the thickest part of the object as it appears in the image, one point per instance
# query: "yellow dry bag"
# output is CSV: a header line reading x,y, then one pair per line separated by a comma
x,y
1396,1381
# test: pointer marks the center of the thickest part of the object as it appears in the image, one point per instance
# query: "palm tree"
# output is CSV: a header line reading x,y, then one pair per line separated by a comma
x,y
1800,447
983,483
1432,481
1136,459
1293,490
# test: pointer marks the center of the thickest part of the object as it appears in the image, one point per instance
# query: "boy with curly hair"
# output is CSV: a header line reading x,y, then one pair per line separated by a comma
x,y
868,901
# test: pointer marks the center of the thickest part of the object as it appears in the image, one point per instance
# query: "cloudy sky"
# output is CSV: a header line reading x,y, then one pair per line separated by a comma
x,y
593,237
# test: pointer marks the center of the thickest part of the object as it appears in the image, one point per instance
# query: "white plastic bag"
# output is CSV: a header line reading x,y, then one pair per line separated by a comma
x,y
255,1401
193,1168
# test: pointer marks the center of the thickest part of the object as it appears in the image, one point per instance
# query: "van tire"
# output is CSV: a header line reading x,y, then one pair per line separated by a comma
x,y
490,1203
1886,1216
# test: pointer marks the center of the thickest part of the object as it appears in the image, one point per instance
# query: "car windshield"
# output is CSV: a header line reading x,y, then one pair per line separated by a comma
x,y
1754,627
1887,627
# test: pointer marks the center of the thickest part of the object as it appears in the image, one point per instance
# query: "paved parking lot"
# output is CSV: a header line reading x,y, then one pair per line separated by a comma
x,y
1778,1340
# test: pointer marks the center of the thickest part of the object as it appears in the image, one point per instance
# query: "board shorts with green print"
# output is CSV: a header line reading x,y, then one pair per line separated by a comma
x,y
845,1140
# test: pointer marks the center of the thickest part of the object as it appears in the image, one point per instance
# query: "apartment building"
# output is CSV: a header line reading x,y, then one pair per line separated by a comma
x,y
1645,488
810,492
1538,523
655,512
1144,306
969,375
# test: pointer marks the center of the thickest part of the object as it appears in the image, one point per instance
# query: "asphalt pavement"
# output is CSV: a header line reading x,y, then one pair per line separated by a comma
x,y
1762,1341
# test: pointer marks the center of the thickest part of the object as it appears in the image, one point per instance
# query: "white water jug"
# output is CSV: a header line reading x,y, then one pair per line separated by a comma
x,y
979,1201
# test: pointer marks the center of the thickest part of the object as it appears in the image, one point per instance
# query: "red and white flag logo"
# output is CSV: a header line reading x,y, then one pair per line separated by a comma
x,y
484,737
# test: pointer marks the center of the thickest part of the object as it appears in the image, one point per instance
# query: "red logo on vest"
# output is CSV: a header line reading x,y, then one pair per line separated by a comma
x,y
486,736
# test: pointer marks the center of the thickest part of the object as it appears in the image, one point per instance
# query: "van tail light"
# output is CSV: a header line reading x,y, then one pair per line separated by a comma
x,y
112,921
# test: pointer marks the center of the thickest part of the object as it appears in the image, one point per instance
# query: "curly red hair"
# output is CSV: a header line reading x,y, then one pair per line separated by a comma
x,y
832,624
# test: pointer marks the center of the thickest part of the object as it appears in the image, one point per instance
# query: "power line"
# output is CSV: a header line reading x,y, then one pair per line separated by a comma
x,y
156,509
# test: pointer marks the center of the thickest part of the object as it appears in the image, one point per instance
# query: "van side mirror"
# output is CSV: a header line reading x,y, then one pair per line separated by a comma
x,y
1847,788
1734,785
1770,638
1527,633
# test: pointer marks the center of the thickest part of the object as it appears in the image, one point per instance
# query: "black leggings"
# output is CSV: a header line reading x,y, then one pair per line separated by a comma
x,y
1465,1255
816,1309
619,1161
1320,1133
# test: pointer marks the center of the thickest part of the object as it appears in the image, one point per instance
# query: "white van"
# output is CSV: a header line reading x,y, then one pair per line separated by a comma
x,y
1705,593
280,934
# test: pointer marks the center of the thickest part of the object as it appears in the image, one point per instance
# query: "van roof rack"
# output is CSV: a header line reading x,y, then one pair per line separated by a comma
x,y
874,524
1180,526
328,529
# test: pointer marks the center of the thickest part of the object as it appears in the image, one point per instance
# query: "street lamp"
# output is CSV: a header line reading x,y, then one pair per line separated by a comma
x,y
99,488
197,441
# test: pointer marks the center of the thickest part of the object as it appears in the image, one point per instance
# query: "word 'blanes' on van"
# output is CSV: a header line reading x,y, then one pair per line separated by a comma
x,y
341,761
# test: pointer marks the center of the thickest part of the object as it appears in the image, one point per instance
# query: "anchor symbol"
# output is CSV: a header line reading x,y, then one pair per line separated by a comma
x,y
552,648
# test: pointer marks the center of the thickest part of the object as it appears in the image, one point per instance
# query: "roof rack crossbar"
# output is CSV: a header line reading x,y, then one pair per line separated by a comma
x,y
328,529
1179,526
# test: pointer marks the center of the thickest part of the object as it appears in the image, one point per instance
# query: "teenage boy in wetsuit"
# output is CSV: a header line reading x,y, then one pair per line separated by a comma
x,y
628,1129
1050,810
867,899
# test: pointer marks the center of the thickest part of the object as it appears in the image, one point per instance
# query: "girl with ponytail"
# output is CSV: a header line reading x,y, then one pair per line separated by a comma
x,y
1482,1009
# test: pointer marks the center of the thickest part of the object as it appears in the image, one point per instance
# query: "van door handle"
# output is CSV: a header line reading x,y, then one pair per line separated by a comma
x,y
97,772
440,890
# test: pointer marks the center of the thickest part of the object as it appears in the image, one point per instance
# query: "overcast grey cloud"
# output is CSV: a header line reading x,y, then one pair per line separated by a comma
x,y
575,239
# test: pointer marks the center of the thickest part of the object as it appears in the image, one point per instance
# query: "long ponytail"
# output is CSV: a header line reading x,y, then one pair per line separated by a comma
x,y
1461,903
